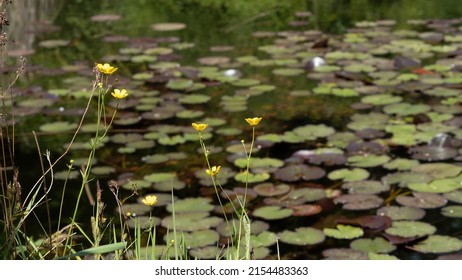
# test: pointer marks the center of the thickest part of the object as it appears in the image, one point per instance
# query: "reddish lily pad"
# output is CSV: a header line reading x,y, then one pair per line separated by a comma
x,y
398,213
422,200
359,201
268,189
305,210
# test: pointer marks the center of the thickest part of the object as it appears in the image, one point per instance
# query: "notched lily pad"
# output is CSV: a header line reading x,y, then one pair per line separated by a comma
x,y
359,201
302,236
410,229
272,212
349,175
398,213
438,244
269,189
376,245
298,172
344,232
422,200
367,186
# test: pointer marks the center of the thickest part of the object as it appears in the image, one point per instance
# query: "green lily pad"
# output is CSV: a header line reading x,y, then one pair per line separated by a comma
x,y
49,44
376,245
368,160
381,99
248,177
139,184
168,26
141,144
344,232
204,253
272,212
196,239
358,67
302,236
102,170
438,244
194,99
344,92
349,175
437,185
367,186
245,82
359,201
454,196
179,84
259,162
288,71
406,109
144,222
57,127
453,211
438,170
312,132
405,178
401,164
155,159
191,221
167,186
398,213
199,204
343,254
308,194
382,257
410,229
160,177
268,189
264,239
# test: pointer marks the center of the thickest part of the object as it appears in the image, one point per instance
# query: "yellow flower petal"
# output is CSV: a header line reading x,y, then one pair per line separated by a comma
x,y
106,68
213,171
150,200
253,121
119,93
199,126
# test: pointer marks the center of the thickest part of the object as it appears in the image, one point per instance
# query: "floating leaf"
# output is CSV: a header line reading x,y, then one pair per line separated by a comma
x,y
268,189
264,239
302,236
195,239
57,127
438,244
454,211
272,212
191,221
423,200
368,160
410,229
343,254
437,185
359,201
349,175
245,176
168,26
298,172
344,232
367,186
398,213
376,245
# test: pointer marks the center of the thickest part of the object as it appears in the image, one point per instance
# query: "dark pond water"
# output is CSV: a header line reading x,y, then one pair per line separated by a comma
x,y
370,138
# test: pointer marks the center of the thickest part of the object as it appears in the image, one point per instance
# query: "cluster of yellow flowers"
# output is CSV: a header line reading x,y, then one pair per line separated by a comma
x,y
107,69
213,171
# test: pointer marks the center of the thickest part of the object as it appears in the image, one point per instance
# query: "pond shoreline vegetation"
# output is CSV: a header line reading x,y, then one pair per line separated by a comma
x,y
354,148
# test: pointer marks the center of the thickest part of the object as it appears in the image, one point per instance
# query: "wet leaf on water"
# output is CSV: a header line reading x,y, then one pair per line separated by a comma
x,y
422,200
343,232
382,257
368,160
264,239
453,211
249,177
305,210
359,201
438,244
302,236
375,245
343,254
298,172
349,175
168,26
372,222
398,213
195,239
57,127
410,229
191,221
269,189
272,212
366,186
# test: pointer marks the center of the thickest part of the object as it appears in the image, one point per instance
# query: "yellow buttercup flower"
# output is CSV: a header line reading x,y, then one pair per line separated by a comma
x,y
213,171
106,68
150,200
119,93
253,121
199,126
